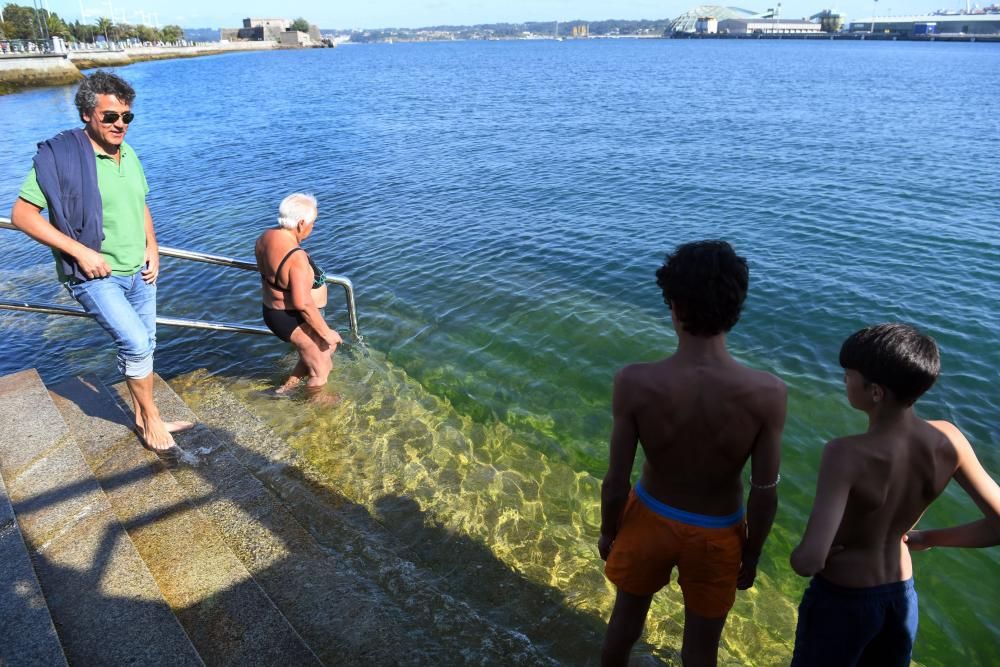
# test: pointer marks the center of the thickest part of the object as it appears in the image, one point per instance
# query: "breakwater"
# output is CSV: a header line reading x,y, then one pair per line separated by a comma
x,y
19,72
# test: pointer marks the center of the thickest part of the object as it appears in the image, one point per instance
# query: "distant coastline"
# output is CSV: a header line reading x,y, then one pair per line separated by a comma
x,y
19,72
841,36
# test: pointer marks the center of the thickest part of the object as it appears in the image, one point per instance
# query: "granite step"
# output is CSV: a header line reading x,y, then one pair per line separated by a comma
x,y
29,636
105,606
327,598
230,620
442,628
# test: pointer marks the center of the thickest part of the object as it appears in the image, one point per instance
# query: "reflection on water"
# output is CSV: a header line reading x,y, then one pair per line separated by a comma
x,y
389,439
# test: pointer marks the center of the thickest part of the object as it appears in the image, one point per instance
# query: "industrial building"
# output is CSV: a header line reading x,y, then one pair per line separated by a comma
x,y
760,26
929,24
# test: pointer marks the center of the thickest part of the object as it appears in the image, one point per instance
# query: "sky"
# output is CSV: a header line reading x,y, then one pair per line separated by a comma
x,y
419,13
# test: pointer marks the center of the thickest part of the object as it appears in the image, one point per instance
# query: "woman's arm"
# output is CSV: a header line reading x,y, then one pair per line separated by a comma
x,y
300,279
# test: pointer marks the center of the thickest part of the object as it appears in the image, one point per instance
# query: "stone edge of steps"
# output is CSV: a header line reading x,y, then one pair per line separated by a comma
x,y
228,617
29,636
95,584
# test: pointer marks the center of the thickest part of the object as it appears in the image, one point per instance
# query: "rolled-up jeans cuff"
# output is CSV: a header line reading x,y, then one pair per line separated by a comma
x,y
135,368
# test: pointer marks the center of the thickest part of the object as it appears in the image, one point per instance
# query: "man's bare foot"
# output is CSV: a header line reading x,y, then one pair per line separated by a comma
x,y
178,427
155,439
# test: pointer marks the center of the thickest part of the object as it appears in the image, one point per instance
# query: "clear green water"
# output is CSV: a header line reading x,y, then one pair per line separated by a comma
x,y
501,208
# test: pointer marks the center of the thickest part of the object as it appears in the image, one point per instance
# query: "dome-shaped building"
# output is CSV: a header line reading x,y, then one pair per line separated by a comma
x,y
686,21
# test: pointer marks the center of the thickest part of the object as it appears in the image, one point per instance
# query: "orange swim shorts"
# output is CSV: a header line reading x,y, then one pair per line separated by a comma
x,y
649,545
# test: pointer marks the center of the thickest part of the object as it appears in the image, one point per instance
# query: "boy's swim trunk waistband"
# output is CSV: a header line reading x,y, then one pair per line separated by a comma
x,y
893,589
650,543
690,518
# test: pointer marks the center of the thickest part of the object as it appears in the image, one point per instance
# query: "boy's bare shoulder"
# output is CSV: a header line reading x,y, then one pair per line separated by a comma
x,y
631,372
948,429
771,382
642,370
769,388
953,435
845,449
634,379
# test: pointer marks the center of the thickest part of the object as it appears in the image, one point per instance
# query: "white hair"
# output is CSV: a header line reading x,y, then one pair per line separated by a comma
x,y
295,207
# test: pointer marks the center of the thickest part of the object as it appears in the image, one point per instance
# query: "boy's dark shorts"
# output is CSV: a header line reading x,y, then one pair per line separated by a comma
x,y
842,627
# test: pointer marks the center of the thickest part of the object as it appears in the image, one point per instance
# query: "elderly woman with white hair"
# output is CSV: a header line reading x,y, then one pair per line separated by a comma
x,y
294,293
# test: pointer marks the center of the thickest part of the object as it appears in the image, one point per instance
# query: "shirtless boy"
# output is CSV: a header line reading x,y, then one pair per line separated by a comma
x,y
861,606
699,416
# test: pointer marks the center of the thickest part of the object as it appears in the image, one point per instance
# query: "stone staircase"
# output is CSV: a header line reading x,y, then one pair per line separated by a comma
x,y
235,555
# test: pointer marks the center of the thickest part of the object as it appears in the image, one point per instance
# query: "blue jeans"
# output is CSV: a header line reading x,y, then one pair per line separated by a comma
x,y
126,307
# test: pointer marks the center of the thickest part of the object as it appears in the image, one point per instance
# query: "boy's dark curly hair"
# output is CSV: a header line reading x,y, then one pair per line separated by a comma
x,y
705,284
101,83
897,356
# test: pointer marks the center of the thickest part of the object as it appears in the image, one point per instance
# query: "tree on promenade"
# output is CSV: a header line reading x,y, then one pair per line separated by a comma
x,y
19,22
82,32
104,25
172,33
57,27
22,22
300,24
148,34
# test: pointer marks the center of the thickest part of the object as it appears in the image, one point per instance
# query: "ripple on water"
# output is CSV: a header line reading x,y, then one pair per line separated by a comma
x,y
501,208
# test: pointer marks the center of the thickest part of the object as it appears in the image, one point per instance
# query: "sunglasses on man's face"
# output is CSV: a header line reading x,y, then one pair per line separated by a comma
x,y
113,116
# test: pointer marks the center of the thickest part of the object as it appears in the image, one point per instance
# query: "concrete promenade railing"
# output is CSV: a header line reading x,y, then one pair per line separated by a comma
x,y
195,256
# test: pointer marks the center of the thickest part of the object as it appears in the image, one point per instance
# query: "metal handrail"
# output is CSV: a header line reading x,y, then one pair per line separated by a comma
x,y
73,311
195,256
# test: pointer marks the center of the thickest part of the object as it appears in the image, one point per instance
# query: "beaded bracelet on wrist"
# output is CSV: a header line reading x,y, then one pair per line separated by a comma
x,y
765,486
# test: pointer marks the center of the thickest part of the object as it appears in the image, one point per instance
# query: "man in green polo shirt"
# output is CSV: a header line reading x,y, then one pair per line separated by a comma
x,y
101,235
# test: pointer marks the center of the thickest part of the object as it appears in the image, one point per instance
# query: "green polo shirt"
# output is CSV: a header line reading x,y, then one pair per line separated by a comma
x,y
123,195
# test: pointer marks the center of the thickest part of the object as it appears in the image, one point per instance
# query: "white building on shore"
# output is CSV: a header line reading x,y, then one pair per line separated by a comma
x,y
762,26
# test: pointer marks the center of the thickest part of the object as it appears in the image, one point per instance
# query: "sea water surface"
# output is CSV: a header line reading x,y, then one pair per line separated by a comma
x,y
501,208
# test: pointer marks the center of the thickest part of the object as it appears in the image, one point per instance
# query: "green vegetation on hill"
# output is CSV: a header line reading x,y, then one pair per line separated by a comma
x,y
22,22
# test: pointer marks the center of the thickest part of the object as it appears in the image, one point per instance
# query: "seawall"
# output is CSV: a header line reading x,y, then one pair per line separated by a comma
x,y
19,72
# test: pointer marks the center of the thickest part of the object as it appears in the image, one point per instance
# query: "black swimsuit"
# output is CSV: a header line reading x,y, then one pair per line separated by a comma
x,y
319,277
283,322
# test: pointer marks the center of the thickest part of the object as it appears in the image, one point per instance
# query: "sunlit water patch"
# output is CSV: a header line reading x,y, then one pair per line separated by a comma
x,y
388,442
501,208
